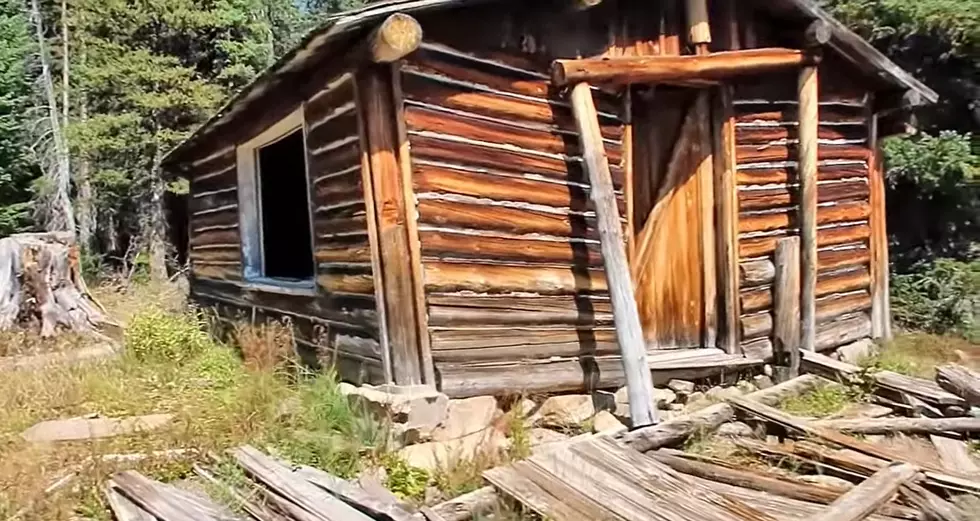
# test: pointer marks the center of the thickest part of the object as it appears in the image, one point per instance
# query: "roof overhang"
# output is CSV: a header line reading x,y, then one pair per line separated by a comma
x,y
845,42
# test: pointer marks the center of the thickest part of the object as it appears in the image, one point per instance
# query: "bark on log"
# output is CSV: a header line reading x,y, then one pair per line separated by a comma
x,y
960,381
864,499
41,286
661,69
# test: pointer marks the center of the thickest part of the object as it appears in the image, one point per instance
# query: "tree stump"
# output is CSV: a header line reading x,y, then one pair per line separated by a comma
x,y
41,286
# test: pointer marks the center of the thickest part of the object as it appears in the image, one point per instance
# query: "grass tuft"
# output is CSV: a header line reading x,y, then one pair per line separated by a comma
x,y
822,401
156,335
918,354
266,347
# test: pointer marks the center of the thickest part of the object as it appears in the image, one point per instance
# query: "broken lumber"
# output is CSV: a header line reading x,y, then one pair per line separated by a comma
x,y
906,425
770,483
354,495
934,507
710,418
960,381
467,506
865,498
281,480
122,508
954,455
143,492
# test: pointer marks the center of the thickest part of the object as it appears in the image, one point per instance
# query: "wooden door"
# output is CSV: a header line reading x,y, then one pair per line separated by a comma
x,y
673,260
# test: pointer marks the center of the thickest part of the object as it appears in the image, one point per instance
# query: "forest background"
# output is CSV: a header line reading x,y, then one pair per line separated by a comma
x,y
93,93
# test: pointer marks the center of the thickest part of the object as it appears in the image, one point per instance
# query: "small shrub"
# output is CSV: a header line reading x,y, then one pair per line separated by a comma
x,y
940,297
404,480
265,347
160,336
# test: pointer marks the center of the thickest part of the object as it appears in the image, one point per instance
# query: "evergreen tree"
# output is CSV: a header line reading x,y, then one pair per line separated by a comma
x,y
17,170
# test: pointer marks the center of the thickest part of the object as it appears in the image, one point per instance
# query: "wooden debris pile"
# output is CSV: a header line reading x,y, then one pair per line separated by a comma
x,y
41,286
637,476
279,492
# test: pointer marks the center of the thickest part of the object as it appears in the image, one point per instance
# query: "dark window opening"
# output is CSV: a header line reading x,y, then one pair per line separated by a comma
x,y
287,245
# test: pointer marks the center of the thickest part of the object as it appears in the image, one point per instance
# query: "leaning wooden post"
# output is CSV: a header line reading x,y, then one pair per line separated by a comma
x,y
807,173
786,304
643,411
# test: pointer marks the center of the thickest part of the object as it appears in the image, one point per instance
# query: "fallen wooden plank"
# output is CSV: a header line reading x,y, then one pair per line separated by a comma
x,y
558,502
143,493
906,425
954,455
960,381
122,508
934,507
771,483
875,491
294,488
354,495
925,390
253,509
710,418
933,474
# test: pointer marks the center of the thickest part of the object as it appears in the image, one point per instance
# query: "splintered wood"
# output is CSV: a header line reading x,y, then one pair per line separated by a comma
x,y
596,478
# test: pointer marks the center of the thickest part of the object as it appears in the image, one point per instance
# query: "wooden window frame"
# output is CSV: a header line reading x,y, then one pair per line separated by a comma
x,y
250,206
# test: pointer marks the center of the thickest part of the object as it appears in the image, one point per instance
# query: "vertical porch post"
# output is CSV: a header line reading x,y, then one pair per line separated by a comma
x,y
807,173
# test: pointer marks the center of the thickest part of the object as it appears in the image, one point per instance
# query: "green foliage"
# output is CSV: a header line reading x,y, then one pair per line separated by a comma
x,y
822,401
938,297
17,171
404,480
159,336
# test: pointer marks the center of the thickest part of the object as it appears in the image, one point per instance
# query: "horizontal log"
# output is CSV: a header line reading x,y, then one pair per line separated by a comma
x,y
337,129
448,245
769,154
902,425
359,283
356,250
215,236
848,211
766,198
504,336
205,200
835,306
488,75
338,92
502,188
330,230
777,112
346,187
340,209
456,124
219,253
338,160
759,298
223,271
488,278
214,219
757,325
471,316
763,134
666,69
547,116
766,176
756,273
395,37
829,309
481,216
841,332
559,304
826,237
839,258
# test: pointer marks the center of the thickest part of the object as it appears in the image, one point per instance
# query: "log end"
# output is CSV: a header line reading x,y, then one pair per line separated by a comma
x,y
818,34
558,76
398,36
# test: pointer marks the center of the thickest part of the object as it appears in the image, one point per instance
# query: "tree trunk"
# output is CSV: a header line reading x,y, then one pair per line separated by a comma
x,y
58,213
85,199
41,285
155,231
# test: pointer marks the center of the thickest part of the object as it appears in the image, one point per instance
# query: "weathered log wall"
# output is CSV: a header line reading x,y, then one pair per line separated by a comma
x,y
510,253
768,196
337,321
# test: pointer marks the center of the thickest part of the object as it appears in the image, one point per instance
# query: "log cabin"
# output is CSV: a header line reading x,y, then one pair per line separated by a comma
x,y
501,196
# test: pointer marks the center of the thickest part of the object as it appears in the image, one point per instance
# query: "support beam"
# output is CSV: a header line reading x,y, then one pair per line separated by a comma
x,y
726,217
786,304
398,36
629,332
809,120
699,29
379,121
880,301
665,69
